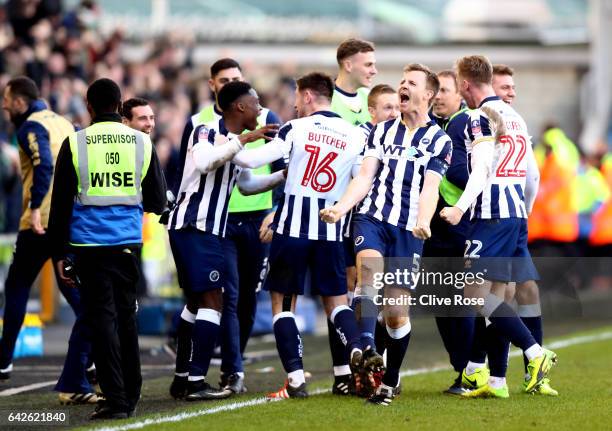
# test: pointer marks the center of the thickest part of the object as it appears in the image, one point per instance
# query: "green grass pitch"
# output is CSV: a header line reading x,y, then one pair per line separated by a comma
x,y
582,377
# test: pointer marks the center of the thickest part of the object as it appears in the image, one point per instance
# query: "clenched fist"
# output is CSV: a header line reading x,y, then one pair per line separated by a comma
x,y
421,231
451,215
331,214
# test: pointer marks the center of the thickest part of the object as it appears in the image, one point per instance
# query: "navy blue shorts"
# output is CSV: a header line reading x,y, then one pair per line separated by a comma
x,y
199,259
388,240
491,243
401,250
291,258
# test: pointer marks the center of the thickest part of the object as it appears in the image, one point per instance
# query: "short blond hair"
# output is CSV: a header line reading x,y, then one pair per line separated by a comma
x,y
475,68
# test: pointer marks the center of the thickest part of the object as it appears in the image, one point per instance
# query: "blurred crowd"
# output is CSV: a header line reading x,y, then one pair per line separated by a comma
x,y
64,49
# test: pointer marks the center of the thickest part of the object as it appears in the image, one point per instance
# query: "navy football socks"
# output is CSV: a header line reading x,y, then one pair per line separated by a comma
x,y
288,341
366,313
205,332
346,327
507,323
340,357
397,345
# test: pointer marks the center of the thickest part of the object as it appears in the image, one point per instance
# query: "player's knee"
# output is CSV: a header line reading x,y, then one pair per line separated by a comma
x,y
281,302
366,274
397,321
192,305
331,303
527,292
369,262
397,330
212,299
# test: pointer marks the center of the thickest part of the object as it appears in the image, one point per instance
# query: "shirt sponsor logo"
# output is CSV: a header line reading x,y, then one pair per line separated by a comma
x,y
410,153
328,129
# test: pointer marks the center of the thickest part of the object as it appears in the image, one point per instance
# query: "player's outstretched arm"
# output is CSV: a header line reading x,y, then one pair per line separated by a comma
x,y
428,200
208,157
279,148
357,190
252,184
482,161
260,156
266,132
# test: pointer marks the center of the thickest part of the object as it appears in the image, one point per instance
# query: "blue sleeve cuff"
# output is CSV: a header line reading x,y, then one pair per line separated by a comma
x,y
437,165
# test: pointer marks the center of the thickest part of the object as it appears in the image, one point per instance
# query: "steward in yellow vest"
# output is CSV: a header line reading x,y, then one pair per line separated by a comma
x,y
106,176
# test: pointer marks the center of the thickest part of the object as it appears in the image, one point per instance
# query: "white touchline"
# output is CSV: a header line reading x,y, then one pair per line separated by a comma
x,y
145,367
35,368
257,401
50,368
32,387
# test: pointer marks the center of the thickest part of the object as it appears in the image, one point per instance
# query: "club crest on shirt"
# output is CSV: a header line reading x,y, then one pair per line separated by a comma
x,y
214,276
475,125
203,134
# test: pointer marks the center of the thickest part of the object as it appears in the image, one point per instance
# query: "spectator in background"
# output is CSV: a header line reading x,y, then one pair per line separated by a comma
x,y
9,174
138,114
554,220
553,225
25,14
39,133
600,238
594,192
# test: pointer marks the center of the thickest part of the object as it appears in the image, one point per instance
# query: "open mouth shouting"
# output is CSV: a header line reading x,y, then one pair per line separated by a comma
x,y
404,97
